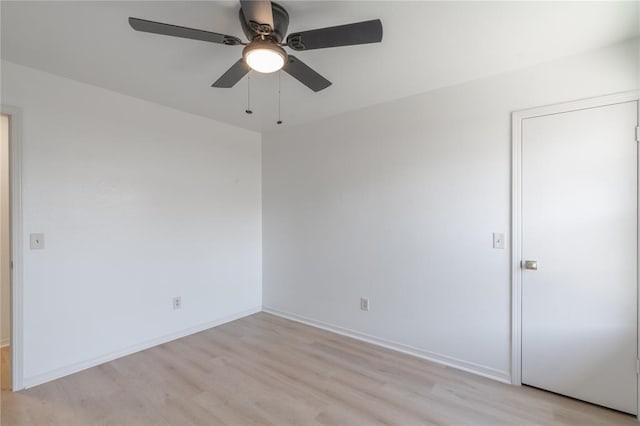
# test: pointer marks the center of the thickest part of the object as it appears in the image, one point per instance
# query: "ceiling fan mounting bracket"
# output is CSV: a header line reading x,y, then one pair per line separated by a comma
x,y
261,29
295,42
231,41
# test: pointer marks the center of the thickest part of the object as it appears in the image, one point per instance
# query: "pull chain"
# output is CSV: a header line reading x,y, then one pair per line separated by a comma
x,y
248,110
279,95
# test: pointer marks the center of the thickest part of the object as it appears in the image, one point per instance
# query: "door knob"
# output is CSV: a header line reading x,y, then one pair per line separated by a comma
x,y
530,264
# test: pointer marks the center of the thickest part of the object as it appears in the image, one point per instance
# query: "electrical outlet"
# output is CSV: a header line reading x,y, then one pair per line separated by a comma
x,y
364,303
177,302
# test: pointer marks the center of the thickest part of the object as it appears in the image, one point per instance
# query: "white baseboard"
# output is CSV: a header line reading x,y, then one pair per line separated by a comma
x,y
480,370
4,342
83,365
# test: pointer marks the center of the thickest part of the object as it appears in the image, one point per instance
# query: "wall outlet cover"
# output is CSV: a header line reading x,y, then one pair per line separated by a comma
x,y
177,302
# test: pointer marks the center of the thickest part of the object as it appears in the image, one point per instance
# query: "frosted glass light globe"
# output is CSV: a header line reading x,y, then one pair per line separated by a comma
x,y
264,57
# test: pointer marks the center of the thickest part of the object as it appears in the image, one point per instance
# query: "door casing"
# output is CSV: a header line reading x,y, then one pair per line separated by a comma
x,y
15,187
516,212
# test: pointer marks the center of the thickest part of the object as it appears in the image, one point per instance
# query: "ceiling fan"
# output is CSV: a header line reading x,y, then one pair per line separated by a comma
x,y
265,24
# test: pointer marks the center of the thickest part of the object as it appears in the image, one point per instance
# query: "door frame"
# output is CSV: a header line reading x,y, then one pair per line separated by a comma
x,y
516,212
15,187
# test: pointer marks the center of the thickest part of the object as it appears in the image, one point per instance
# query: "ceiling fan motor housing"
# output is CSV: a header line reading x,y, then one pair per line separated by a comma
x,y
280,23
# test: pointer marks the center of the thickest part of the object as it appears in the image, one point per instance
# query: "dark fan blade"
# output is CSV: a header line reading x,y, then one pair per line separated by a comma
x,y
305,75
258,11
176,31
233,75
342,35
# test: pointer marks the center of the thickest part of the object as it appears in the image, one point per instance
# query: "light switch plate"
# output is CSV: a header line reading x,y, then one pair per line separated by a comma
x,y
36,241
498,240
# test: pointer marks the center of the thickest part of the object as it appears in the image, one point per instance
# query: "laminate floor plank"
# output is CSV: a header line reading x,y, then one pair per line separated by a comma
x,y
5,373
266,370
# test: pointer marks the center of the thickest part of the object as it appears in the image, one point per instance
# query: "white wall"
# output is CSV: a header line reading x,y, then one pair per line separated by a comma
x,y
398,203
138,203
5,253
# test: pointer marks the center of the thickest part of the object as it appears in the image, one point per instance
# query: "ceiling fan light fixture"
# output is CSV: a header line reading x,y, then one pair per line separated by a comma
x,y
264,56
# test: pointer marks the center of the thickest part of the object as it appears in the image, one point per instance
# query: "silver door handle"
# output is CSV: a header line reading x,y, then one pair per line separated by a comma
x,y
530,264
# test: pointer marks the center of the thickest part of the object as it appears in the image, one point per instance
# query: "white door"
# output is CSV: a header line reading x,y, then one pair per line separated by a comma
x,y
580,224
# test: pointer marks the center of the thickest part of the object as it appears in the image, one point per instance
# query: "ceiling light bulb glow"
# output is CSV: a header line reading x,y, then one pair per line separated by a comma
x,y
264,57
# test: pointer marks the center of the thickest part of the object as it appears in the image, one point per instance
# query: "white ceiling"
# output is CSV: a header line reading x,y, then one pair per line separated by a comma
x,y
426,45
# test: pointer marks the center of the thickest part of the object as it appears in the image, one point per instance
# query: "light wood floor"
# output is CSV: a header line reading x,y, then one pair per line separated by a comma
x,y
5,363
266,370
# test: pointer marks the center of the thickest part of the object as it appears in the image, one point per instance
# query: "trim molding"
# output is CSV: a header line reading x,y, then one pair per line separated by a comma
x,y
480,370
4,342
83,365
15,186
